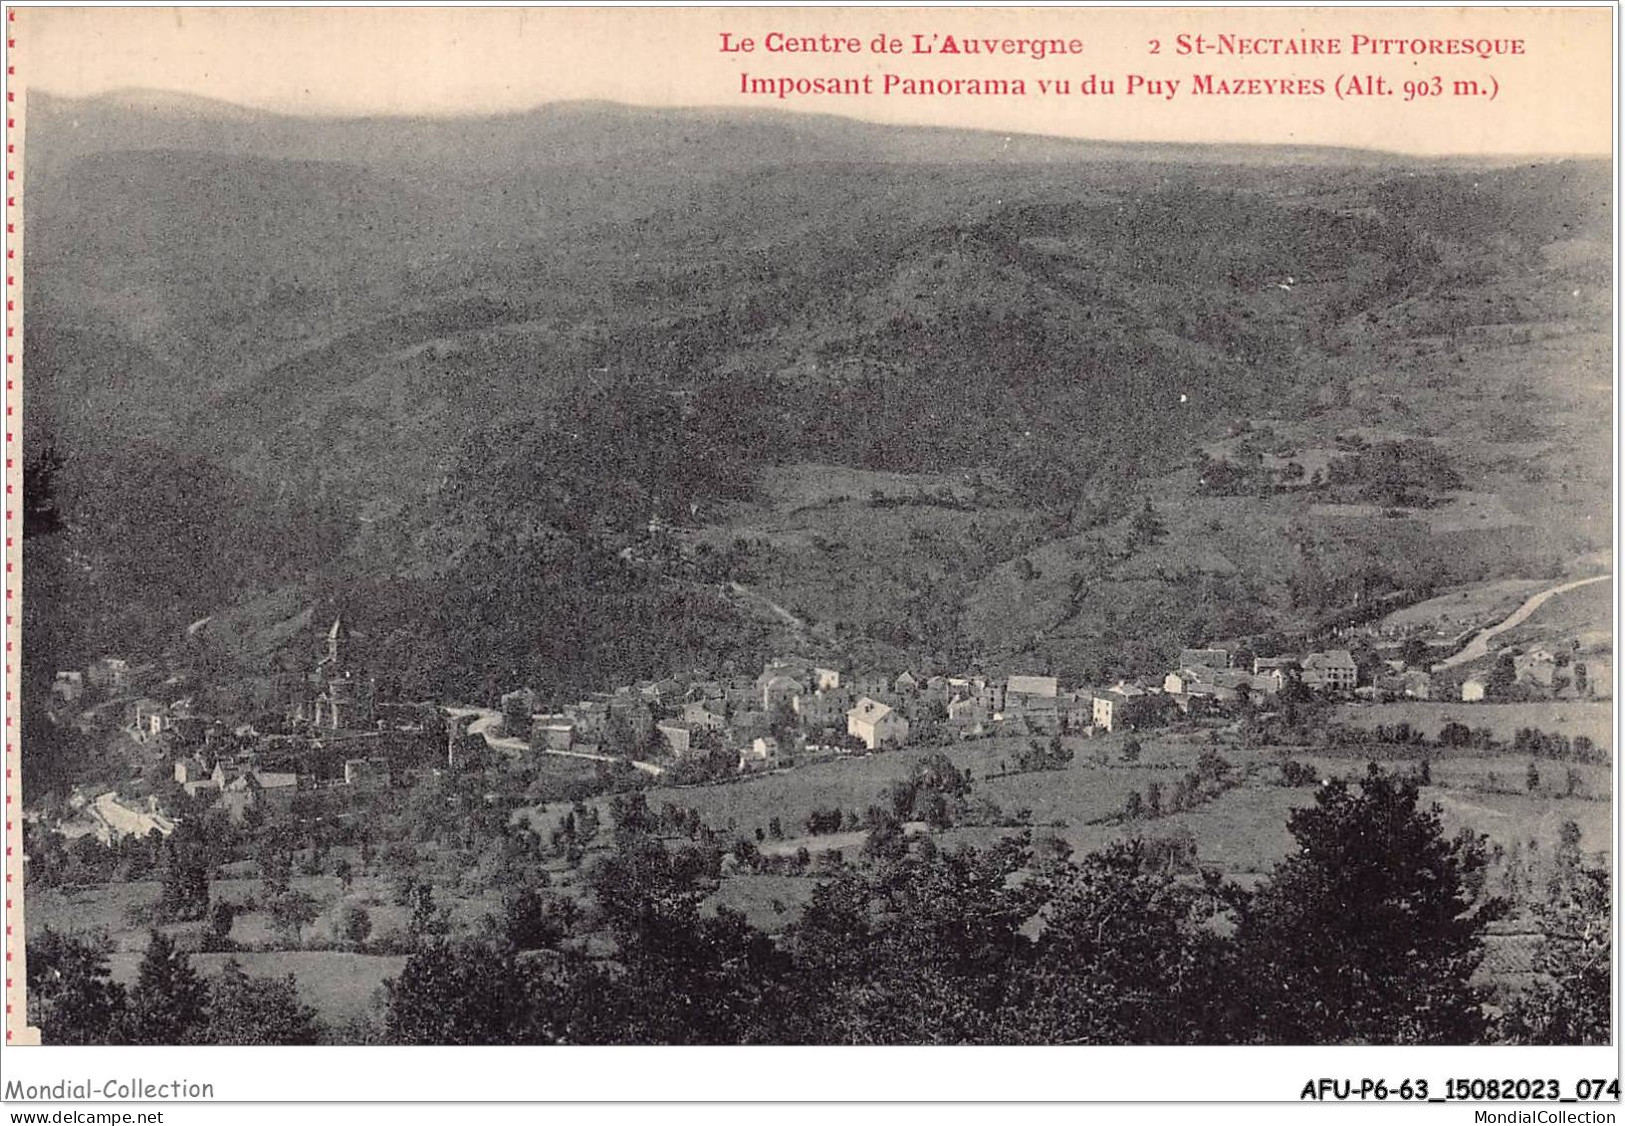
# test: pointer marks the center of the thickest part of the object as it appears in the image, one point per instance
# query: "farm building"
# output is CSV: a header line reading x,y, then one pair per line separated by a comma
x,y
759,754
68,686
876,724
551,732
1333,670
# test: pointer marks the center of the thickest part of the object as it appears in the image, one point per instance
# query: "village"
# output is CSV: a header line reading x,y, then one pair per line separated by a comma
x,y
337,736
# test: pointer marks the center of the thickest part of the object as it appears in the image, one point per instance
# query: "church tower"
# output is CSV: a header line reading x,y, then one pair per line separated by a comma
x,y
336,637
343,699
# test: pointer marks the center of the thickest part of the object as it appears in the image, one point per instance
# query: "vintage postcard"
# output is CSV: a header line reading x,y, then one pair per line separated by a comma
x,y
933,528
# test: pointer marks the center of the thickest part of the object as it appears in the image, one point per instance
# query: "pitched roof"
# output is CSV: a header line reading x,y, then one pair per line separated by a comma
x,y
869,709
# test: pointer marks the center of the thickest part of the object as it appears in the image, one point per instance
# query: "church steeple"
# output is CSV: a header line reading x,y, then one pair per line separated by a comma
x,y
335,637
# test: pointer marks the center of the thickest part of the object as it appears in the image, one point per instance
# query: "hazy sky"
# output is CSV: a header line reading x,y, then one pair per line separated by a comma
x,y
1555,97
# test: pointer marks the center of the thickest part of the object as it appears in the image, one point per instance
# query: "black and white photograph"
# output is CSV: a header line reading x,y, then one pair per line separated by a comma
x,y
781,553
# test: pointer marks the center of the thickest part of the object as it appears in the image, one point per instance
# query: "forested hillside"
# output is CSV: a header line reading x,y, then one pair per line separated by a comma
x,y
445,379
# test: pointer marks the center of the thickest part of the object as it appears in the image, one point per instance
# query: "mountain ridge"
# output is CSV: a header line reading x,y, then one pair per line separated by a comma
x,y
920,142
581,348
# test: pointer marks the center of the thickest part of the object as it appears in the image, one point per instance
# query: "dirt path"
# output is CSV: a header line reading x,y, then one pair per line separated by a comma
x,y
1479,645
769,605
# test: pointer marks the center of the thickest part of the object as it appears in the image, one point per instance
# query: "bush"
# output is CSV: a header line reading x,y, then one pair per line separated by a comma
x,y
1294,773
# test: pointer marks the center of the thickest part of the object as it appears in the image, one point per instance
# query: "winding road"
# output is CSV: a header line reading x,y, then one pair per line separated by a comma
x,y
488,720
1479,645
766,603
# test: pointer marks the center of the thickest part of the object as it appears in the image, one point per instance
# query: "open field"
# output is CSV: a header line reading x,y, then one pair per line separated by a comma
x,y
1488,795
103,907
336,984
853,783
769,902
1085,790
1242,832
1595,720
1512,818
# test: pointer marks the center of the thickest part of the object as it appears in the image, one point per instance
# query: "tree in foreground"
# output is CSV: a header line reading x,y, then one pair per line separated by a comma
x,y
251,1010
924,948
456,994
680,975
71,995
1572,1002
169,1004
1122,957
185,876
1371,933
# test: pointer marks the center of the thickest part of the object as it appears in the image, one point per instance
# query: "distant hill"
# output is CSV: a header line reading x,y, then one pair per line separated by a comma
x,y
587,132
470,346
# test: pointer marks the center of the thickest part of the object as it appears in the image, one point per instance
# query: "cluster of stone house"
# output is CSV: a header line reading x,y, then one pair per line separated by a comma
x,y
1210,675
335,696
795,706
1576,676
701,715
207,754
107,676
240,784
1396,682
243,784
175,724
